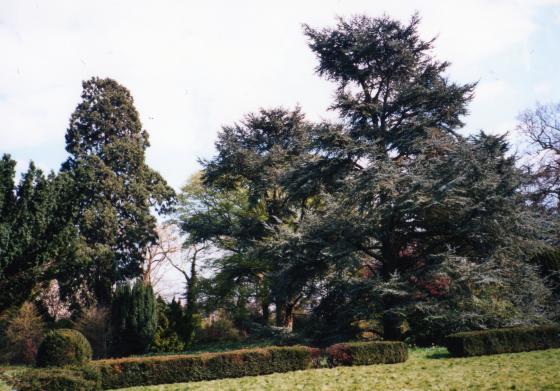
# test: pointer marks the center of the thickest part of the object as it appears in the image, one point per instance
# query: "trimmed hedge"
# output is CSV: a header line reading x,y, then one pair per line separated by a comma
x,y
508,340
63,347
142,371
367,353
59,379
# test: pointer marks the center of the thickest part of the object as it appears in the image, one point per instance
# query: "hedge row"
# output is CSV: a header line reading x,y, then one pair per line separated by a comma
x,y
59,379
141,371
509,340
366,353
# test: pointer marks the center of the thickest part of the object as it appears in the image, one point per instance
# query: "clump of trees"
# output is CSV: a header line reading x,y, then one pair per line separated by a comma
x,y
386,223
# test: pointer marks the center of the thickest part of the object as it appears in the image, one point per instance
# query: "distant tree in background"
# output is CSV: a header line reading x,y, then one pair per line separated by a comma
x,y
133,319
111,190
160,255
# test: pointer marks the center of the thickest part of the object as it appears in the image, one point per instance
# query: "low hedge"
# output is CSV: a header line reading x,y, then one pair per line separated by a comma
x,y
508,340
58,379
142,371
366,353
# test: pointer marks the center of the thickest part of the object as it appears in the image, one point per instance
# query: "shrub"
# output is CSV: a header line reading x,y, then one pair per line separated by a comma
x,y
23,333
219,330
58,379
130,372
366,353
509,340
133,319
63,347
94,325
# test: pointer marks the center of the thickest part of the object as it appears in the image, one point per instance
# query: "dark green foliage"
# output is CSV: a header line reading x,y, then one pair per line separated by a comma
x,y
406,202
166,338
548,262
58,379
64,347
509,340
244,180
111,191
130,372
33,232
366,353
133,319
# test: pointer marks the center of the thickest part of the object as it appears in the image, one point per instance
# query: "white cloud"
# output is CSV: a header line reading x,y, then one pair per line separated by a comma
x,y
195,66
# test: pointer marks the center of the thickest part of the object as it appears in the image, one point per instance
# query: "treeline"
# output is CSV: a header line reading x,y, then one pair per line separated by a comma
x,y
387,223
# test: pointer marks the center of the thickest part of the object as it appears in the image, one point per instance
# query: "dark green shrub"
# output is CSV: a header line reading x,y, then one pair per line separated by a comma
x,y
63,347
59,379
133,319
509,340
366,353
130,372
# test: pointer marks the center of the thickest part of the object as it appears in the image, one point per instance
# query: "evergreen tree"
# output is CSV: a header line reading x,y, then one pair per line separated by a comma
x,y
133,318
112,189
253,158
402,192
33,233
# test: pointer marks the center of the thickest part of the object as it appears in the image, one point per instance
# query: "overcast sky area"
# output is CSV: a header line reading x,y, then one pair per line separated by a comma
x,y
194,66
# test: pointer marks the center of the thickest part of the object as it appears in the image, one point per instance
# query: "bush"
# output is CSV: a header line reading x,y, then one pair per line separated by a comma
x,y
219,330
130,372
58,379
22,336
366,353
63,347
510,340
94,325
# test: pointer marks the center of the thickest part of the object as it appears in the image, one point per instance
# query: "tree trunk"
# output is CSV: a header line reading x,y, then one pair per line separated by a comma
x,y
285,314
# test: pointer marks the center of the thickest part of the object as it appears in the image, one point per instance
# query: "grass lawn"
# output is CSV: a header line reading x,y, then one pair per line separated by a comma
x,y
426,369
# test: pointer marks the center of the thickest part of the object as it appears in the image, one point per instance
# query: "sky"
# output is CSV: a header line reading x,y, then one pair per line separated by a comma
x,y
195,66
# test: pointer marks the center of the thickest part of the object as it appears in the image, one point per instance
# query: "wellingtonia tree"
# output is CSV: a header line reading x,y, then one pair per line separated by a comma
x,y
112,189
33,232
402,192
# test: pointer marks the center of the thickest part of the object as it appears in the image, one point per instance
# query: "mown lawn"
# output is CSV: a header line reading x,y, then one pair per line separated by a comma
x,y
426,369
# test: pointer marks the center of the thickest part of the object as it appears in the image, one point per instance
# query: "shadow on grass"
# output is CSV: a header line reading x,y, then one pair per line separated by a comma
x,y
438,355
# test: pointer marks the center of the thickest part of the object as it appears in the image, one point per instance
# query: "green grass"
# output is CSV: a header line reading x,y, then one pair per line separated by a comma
x,y
426,369
8,371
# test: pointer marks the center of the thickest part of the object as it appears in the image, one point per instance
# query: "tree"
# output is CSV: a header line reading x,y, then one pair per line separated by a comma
x,y
133,319
112,189
401,190
34,235
160,254
542,126
253,158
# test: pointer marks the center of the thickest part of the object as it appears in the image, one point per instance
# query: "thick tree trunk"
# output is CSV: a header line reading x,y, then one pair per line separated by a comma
x,y
285,314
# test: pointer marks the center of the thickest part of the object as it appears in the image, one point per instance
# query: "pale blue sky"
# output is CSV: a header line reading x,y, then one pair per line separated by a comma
x,y
193,66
